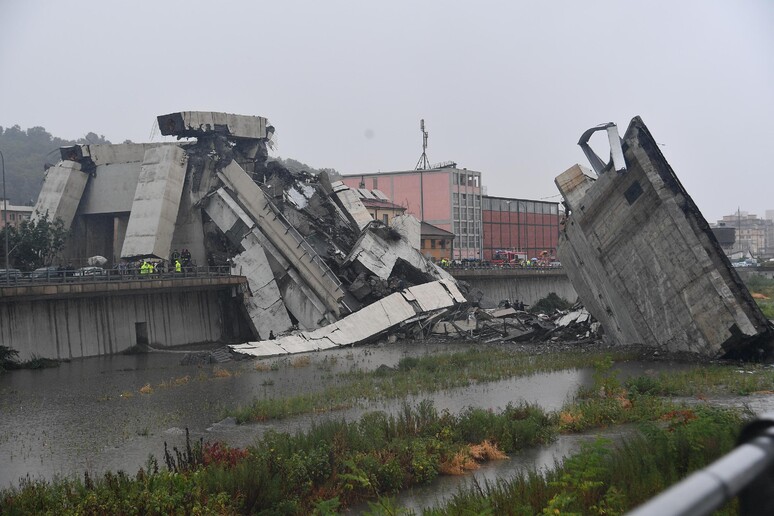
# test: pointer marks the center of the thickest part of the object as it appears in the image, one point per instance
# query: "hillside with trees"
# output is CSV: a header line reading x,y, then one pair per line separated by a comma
x,y
27,153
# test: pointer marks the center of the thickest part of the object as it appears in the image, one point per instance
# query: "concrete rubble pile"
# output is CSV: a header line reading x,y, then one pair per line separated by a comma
x,y
509,324
643,259
315,260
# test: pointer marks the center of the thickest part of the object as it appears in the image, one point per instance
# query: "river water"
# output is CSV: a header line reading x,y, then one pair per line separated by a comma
x,y
110,413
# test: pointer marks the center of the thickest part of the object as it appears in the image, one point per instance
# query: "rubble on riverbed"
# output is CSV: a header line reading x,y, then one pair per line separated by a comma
x,y
574,326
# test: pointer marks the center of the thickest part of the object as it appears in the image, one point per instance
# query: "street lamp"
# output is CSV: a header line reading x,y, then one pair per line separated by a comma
x,y
5,222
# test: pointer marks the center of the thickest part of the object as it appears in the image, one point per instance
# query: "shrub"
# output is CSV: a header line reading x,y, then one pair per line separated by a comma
x,y
550,304
8,358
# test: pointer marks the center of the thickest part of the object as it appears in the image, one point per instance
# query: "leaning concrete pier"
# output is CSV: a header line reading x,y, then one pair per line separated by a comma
x,y
644,260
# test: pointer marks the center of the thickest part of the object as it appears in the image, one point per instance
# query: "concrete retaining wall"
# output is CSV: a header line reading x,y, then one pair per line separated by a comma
x,y
527,289
104,324
527,285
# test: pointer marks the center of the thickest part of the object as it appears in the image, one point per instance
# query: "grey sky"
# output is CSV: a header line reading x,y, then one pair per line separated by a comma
x,y
504,87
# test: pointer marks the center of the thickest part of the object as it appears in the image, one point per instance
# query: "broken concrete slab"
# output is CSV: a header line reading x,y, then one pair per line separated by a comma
x,y
156,202
107,154
237,225
265,307
409,228
503,312
197,123
645,263
377,254
577,316
348,202
362,326
62,190
287,240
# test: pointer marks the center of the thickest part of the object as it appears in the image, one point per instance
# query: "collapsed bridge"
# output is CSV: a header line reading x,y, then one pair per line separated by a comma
x,y
310,251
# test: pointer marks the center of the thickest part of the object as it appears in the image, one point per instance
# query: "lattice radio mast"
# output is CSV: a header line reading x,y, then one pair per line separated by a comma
x,y
423,163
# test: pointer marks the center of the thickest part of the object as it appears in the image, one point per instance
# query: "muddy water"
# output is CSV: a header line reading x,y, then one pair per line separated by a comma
x,y
91,414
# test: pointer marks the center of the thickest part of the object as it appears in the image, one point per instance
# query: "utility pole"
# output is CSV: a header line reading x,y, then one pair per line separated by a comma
x,y
5,221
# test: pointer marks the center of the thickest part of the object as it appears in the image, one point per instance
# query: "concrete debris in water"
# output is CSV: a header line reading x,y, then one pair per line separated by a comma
x,y
643,259
316,263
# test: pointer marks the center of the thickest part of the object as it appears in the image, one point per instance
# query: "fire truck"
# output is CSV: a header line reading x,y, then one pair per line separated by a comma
x,y
508,258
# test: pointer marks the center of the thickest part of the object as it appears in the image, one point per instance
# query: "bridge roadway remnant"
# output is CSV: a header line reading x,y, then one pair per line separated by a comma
x,y
85,317
527,285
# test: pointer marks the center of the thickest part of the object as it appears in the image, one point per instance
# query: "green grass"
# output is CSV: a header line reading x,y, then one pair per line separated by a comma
x,y
729,379
605,478
337,463
334,463
416,376
762,285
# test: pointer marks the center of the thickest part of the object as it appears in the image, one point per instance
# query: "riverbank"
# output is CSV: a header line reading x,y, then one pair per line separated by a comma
x,y
587,397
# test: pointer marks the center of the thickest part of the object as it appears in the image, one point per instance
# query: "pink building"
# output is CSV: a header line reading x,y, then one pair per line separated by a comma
x,y
448,198
16,214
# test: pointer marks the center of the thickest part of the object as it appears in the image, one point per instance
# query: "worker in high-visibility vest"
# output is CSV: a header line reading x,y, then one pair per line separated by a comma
x,y
178,266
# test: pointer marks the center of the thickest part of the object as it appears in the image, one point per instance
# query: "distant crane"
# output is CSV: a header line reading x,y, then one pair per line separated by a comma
x,y
423,163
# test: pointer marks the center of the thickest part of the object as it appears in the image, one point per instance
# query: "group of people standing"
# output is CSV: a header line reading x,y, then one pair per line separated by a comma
x,y
178,262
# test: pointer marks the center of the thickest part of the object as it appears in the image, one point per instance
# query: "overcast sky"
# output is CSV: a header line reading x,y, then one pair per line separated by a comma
x,y
504,87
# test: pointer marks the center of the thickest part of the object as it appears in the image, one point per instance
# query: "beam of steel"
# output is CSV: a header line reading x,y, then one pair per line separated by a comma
x,y
616,152
744,472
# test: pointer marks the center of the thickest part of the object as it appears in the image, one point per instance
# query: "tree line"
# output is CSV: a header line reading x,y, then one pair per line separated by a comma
x,y
27,154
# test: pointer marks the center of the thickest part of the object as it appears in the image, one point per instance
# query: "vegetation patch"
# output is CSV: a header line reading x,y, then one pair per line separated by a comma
x,y
550,304
605,478
332,465
762,290
713,379
419,375
9,360
337,463
220,372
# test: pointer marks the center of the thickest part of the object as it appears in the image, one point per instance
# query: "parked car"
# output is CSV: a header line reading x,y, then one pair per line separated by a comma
x,y
90,271
47,273
11,275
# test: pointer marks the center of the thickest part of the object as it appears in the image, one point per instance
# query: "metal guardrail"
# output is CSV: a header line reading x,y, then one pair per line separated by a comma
x,y
500,267
111,275
747,471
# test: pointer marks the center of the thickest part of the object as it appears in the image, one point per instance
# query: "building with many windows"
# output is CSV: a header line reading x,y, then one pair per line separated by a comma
x,y
752,233
452,200
448,198
520,225
15,214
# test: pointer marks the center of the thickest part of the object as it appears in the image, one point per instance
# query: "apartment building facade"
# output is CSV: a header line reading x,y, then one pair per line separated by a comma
x,y
448,198
15,215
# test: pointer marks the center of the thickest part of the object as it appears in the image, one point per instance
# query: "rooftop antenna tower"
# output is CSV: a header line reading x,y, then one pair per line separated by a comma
x,y
423,163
